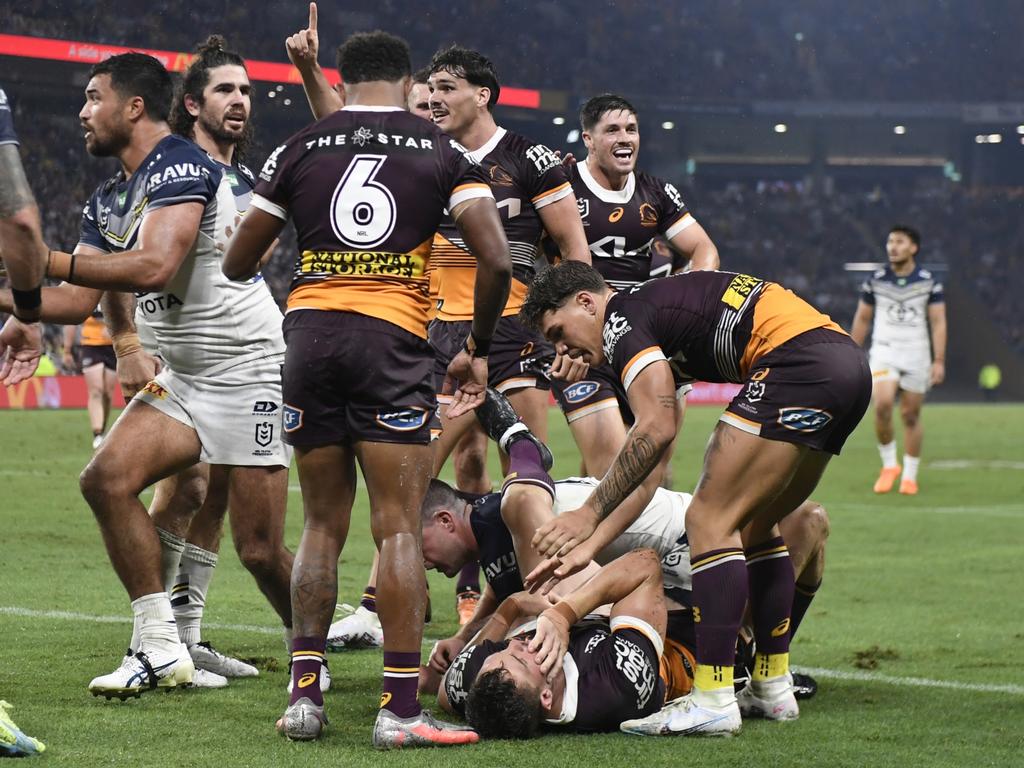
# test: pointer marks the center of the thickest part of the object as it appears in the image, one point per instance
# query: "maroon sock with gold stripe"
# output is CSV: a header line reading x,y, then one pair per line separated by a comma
x,y
401,679
772,584
307,664
719,596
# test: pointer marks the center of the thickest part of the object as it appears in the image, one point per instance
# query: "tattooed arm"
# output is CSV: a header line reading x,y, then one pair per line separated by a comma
x,y
652,398
21,240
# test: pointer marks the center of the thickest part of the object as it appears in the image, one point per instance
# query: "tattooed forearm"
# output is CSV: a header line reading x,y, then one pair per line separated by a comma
x,y
635,461
15,192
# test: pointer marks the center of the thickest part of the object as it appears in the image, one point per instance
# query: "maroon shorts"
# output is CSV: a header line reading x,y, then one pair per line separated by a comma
x,y
519,358
350,377
601,389
97,354
812,390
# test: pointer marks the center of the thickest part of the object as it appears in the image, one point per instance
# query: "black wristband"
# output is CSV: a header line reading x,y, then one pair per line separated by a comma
x,y
27,303
71,269
480,348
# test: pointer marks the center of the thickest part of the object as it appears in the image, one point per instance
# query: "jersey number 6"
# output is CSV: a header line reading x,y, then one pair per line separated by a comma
x,y
363,211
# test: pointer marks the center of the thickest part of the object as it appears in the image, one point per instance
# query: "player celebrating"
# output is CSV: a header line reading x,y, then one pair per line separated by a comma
x,y
159,227
906,303
366,187
623,211
765,457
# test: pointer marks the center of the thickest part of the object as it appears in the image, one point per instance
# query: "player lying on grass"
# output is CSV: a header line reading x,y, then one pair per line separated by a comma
x,y
494,530
584,675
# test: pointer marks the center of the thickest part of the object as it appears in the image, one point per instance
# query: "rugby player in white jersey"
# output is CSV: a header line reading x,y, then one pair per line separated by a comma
x,y
908,351
159,228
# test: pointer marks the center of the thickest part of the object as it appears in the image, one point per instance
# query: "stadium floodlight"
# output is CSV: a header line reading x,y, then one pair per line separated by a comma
x,y
668,125
899,130
559,120
781,127
995,138
573,136
287,102
1020,129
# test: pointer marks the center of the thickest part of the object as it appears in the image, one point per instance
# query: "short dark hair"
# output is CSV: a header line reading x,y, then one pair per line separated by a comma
x,y
439,495
555,285
421,75
374,56
594,107
903,229
498,710
210,54
138,74
471,65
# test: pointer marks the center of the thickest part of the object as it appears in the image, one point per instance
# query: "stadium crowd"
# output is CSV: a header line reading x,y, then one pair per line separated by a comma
x,y
810,50
778,230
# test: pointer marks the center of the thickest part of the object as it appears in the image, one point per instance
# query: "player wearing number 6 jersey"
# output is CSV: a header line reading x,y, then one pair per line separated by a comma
x,y
366,187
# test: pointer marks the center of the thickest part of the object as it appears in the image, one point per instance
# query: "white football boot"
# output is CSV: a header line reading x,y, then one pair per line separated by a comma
x,y
205,656
771,699
360,629
685,717
141,673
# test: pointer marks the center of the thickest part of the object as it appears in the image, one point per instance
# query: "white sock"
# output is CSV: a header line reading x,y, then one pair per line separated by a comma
x,y
171,547
133,646
157,632
888,453
188,596
910,465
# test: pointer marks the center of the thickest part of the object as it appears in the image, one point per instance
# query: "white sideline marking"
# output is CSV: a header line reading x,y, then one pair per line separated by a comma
x,y
974,464
12,610
917,682
829,674
990,510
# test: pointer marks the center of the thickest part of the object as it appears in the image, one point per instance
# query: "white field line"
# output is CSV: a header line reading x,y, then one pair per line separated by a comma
x,y
1015,511
828,674
953,464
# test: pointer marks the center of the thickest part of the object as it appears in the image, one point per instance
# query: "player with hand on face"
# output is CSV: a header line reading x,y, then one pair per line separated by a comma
x,y
805,387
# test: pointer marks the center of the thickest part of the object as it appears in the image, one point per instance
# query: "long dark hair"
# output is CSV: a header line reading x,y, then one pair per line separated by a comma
x,y
211,53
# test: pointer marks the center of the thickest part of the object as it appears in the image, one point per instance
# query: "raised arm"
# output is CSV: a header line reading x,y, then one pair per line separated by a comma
x,y
303,48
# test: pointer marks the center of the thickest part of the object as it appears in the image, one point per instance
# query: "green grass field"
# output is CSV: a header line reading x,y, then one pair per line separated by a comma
x,y
916,635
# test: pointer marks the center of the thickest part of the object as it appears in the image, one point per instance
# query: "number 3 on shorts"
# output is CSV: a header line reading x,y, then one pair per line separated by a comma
x,y
363,211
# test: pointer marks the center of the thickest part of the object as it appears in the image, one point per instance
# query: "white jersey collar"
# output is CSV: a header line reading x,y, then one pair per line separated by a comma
x,y
477,155
614,196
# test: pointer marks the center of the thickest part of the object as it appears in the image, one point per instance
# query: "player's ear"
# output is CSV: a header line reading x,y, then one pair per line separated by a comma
x,y
135,108
585,299
547,697
445,519
483,95
588,140
191,105
406,87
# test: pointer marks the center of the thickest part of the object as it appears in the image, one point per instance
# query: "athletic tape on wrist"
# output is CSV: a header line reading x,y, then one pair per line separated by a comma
x,y
126,344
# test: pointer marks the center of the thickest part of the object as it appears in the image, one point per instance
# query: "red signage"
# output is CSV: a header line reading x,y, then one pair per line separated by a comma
x,y
50,392
176,61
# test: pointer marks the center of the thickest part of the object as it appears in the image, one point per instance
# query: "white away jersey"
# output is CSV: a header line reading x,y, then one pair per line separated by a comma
x,y
202,322
901,309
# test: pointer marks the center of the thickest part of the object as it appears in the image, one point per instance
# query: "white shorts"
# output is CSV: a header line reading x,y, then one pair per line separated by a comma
x,y
236,413
661,527
912,372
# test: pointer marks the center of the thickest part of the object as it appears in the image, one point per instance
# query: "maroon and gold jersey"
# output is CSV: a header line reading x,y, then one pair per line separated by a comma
x,y
710,326
524,177
621,224
367,188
